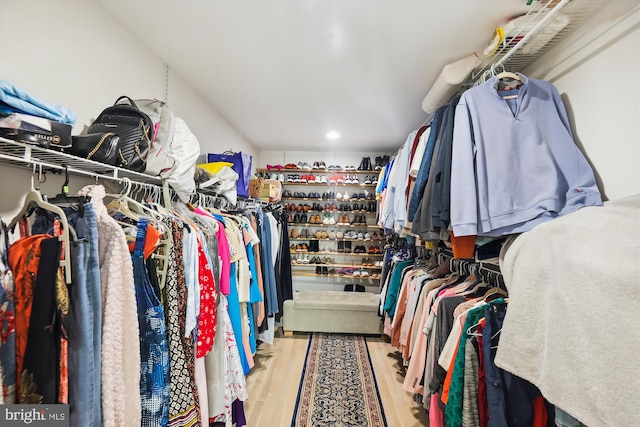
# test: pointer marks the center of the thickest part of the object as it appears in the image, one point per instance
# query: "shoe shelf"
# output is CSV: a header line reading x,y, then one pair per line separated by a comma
x,y
315,199
365,255
334,240
316,184
312,224
336,276
318,171
329,212
294,264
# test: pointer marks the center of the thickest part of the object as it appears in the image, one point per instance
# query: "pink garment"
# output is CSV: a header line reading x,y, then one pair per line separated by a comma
x,y
396,324
436,416
387,325
415,370
225,257
413,293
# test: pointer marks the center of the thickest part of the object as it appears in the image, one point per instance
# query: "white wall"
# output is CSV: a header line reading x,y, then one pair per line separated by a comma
x,y
597,72
72,53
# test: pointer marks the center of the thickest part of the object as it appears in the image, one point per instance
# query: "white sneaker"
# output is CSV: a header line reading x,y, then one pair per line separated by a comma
x,y
356,273
354,179
338,196
364,273
332,220
367,236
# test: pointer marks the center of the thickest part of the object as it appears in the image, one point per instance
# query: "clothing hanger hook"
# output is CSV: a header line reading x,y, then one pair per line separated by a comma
x,y
33,175
126,182
42,177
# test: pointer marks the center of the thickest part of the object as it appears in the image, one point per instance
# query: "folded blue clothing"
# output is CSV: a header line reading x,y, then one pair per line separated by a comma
x,y
16,99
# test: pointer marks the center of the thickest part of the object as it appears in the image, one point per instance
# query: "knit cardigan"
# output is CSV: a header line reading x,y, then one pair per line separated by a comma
x,y
120,333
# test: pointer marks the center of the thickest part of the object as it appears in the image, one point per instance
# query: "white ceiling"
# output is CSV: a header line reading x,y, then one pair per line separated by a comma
x,y
286,72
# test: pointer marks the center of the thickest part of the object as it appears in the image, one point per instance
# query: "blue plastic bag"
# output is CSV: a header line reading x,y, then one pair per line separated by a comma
x,y
241,165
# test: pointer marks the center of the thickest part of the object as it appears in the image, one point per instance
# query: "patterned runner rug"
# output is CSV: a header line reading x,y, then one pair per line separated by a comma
x,y
338,387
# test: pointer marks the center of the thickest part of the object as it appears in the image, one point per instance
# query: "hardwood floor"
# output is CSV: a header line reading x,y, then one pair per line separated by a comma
x,y
273,383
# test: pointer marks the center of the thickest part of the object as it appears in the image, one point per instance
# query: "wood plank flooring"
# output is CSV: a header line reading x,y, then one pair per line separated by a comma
x,y
273,383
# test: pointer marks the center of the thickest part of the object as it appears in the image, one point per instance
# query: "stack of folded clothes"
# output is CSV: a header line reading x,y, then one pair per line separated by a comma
x,y
26,118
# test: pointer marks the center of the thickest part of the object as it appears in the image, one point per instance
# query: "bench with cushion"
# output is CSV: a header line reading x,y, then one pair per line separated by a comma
x,y
332,311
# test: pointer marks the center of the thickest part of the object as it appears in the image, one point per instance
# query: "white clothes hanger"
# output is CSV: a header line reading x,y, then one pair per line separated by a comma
x,y
504,74
34,197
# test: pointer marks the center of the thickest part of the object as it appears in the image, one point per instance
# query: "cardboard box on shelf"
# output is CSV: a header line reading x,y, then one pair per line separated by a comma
x,y
269,191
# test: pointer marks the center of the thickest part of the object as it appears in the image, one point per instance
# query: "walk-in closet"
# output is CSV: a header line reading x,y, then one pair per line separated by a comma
x,y
361,213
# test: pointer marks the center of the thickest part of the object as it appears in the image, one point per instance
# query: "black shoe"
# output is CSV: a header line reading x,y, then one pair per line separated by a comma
x,y
318,270
325,271
347,247
363,164
341,246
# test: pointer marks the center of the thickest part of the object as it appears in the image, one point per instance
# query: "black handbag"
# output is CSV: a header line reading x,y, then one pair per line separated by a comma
x,y
134,128
100,147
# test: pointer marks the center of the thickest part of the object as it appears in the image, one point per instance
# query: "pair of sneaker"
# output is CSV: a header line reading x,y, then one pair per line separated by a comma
x,y
361,272
351,234
351,179
319,166
328,219
275,176
300,259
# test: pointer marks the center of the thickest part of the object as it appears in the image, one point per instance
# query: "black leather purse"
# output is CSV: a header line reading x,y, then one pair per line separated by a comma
x,y
134,128
100,147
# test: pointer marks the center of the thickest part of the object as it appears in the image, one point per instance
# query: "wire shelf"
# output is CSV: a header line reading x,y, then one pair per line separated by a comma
x,y
26,155
548,22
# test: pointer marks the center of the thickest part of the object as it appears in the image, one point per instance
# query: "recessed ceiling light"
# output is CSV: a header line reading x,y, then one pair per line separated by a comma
x,y
333,135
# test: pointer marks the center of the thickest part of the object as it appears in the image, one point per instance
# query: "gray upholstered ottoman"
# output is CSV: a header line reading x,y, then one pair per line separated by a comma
x,y
332,311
